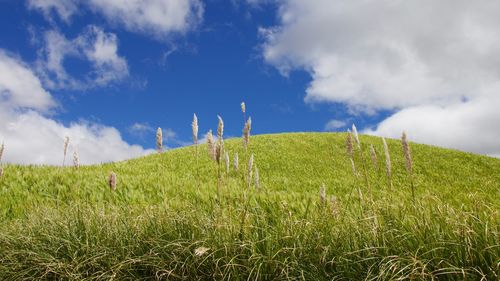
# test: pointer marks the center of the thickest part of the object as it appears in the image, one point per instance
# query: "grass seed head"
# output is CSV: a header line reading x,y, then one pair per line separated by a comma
x,y
66,143
243,108
220,128
348,144
76,159
356,136
200,251
353,166
112,181
407,153
235,162
250,169
334,205
159,140
211,145
246,132
388,168
373,155
194,127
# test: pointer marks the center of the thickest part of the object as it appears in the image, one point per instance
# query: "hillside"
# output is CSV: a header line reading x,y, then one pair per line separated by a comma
x,y
166,220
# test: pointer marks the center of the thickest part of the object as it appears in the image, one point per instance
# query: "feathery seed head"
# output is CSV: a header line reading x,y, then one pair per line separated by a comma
x,y
246,132
257,178
387,159
236,161
407,153
334,205
353,166
211,145
373,154
243,108
112,181
194,126
356,136
348,144
159,140
66,143
200,251
250,169
220,128
76,159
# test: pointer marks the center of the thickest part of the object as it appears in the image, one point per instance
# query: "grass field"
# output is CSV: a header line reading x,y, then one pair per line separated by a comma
x,y
169,219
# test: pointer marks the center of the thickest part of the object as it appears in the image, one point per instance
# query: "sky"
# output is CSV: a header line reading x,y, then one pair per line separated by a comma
x,y
107,74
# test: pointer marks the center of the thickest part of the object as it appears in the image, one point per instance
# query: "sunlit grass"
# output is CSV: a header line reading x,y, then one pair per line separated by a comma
x,y
66,223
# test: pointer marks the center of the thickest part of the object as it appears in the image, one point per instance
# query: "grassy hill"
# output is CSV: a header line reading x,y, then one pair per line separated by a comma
x,y
170,219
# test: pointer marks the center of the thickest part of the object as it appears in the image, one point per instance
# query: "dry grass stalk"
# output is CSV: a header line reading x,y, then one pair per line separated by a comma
x,y
388,168
219,149
200,251
228,163
76,159
194,127
257,178
348,145
112,181
211,145
2,148
356,136
322,194
353,166
334,206
235,162
246,133
407,153
66,143
373,154
159,140
250,170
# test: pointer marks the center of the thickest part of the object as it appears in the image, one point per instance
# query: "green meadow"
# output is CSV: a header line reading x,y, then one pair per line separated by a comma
x,y
178,215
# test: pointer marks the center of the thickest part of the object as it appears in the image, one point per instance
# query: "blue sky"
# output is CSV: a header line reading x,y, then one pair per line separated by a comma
x,y
111,72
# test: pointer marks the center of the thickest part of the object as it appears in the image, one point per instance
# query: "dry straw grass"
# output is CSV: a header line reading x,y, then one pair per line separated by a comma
x,y
76,159
246,133
112,181
235,161
250,170
257,178
374,157
388,168
227,161
159,140
65,149
211,145
322,194
194,127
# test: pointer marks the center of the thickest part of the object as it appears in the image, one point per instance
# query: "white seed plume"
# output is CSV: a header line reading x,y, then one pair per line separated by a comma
x,y
228,162
159,140
112,181
322,194
356,136
211,145
334,205
257,178
220,128
373,154
246,132
243,107
387,159
407,153
250,169
76,159
194,126
236,162
66,143
200,251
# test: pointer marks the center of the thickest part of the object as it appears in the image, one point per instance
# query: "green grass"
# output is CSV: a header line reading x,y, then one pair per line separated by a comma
x,y
66,224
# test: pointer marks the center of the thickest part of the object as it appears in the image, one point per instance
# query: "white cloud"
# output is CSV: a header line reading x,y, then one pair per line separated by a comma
x,y
333,125
64,8
19,87
139,129
32,138
394,55
154,17
98,48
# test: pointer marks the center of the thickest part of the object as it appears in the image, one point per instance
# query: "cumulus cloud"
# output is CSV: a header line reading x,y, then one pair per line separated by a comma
x,y
404,56
333,125
154,17
98,48
33,138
